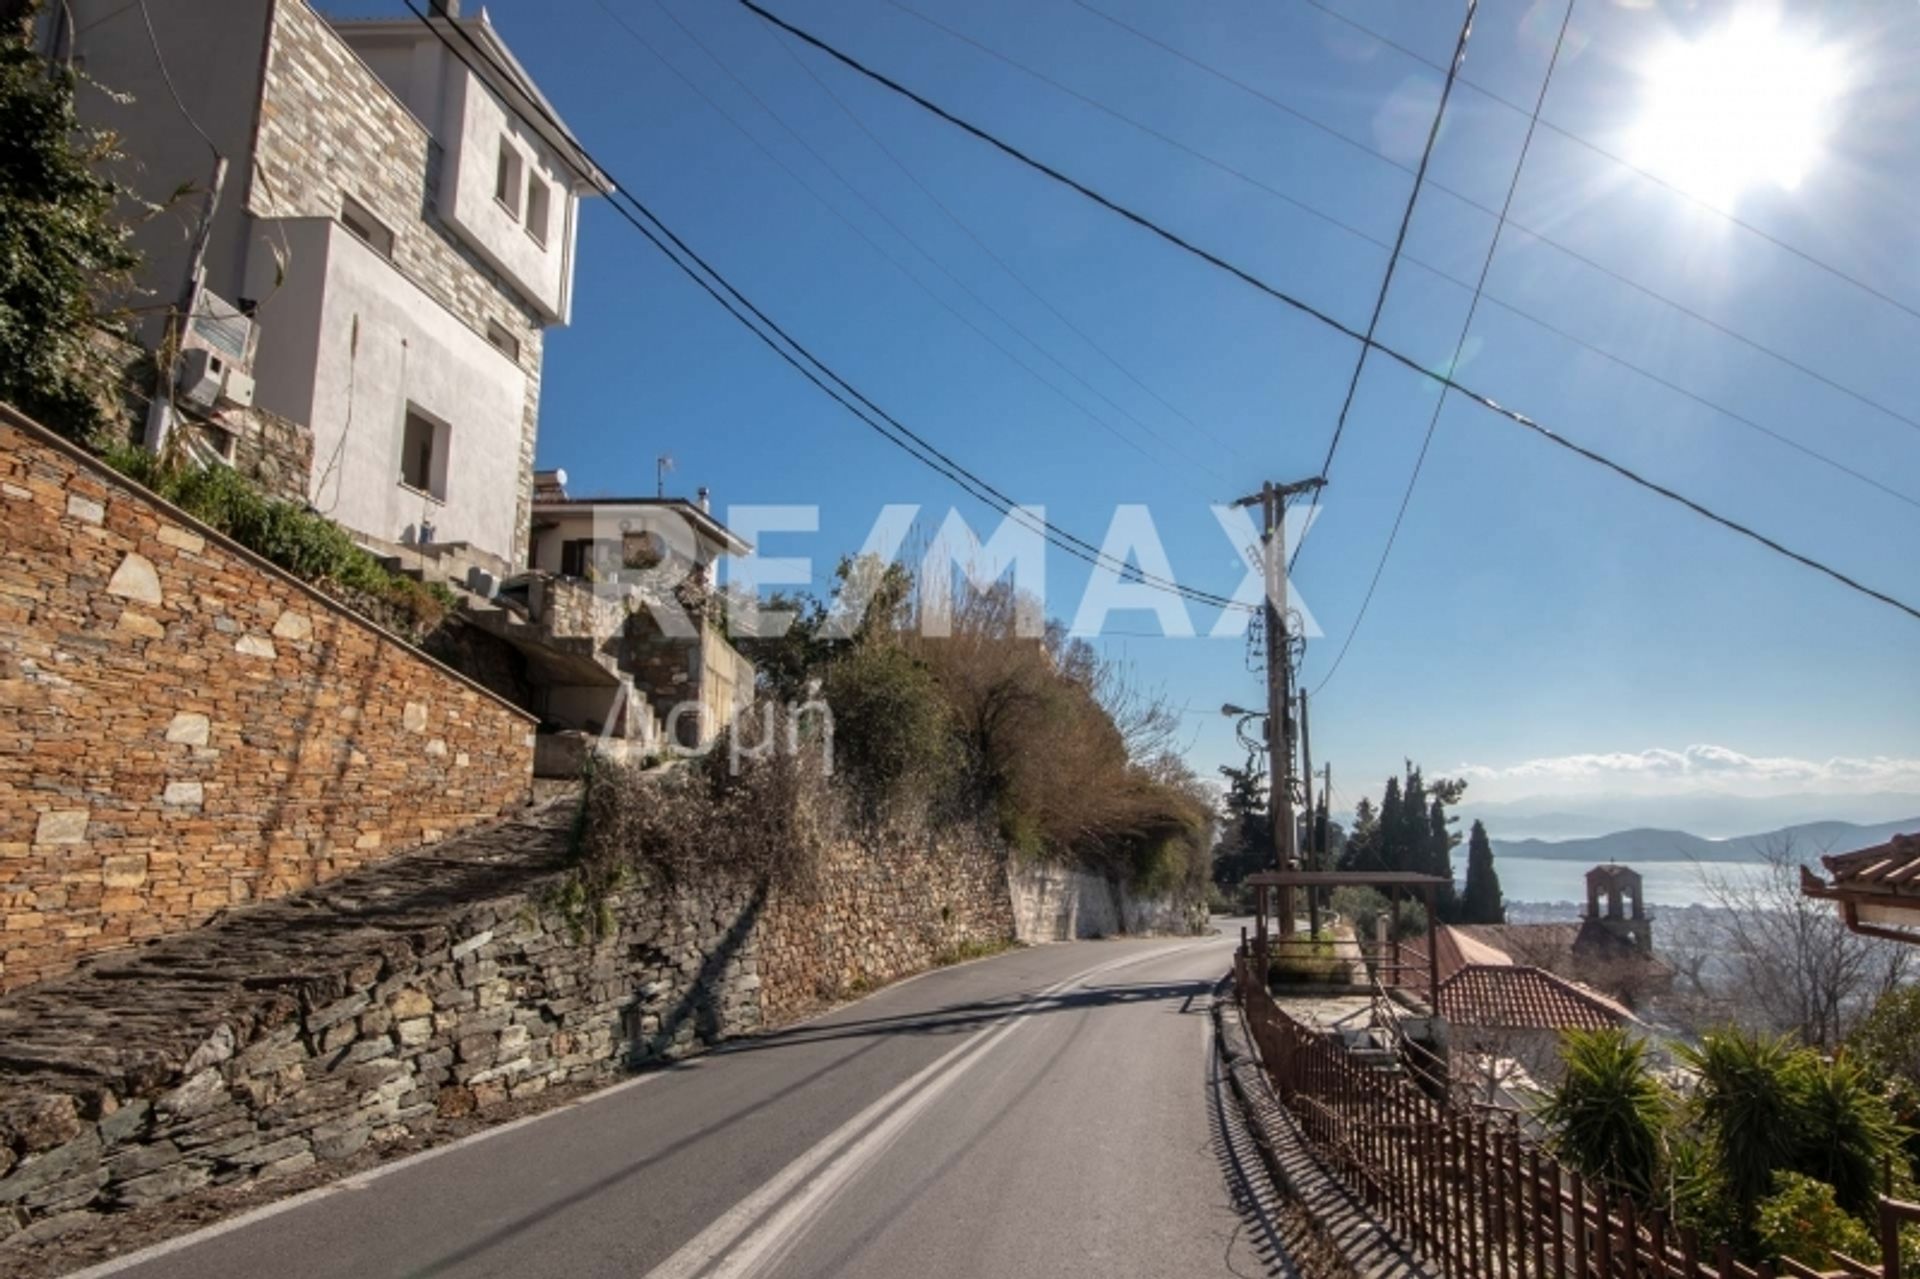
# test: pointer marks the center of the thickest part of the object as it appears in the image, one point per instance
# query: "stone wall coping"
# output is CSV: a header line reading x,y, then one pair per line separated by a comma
x,y
39,434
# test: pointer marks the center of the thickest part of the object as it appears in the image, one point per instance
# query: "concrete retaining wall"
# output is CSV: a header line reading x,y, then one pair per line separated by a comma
x,y
1057,903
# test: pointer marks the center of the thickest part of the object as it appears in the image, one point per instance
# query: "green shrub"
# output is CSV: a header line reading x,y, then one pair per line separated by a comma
x,y
303,542
62,244
1307,961
1609,1113
1803,1221
893,738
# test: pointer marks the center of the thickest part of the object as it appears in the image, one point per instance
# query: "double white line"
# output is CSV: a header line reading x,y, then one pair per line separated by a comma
x,y
749,1238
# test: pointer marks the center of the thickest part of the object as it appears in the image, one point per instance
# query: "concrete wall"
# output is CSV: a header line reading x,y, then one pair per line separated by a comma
x,y
1057,903
187,728
475,125
354,345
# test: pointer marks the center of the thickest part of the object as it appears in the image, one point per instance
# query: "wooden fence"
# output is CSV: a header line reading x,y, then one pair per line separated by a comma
x,y
1469,1192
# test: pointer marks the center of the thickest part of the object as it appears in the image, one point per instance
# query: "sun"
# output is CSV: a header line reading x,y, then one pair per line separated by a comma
x,y
1746,104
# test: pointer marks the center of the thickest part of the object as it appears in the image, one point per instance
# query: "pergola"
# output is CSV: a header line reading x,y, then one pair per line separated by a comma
x,y
1876,889
1393,883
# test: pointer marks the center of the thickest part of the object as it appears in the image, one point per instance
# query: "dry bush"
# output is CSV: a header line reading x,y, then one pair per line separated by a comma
x,y
750,819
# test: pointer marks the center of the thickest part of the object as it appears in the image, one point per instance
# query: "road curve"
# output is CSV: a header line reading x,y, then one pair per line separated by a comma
x,y
1050,1112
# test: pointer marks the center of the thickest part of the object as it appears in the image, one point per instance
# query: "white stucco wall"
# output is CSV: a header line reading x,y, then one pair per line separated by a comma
x,y
474,122
355,394
1057,903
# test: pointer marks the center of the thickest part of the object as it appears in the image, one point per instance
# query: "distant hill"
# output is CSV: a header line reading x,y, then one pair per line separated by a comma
x,y
1808,841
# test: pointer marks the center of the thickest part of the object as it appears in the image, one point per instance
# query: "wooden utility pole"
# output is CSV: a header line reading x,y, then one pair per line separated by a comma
x,y
1272,499
1306,785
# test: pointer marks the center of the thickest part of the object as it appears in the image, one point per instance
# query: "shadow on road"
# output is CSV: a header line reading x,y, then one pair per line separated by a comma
x,y
973,1014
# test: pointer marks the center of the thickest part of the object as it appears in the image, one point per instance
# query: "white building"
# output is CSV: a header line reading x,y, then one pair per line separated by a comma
x,y
400,234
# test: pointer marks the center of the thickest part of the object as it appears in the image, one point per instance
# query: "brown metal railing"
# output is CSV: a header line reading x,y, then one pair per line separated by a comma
x,y
1471,1193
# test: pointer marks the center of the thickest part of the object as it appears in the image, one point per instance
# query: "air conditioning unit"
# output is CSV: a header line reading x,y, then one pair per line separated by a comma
x,y
219,326
202,375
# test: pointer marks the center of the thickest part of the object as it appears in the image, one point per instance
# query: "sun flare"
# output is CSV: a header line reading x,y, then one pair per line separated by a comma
x,y
1744,104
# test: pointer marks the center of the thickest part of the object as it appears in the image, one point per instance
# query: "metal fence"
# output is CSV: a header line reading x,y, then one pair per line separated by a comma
x,y
1472,1194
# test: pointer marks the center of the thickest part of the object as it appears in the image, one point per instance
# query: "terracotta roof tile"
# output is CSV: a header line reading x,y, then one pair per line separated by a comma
x,y
1513,996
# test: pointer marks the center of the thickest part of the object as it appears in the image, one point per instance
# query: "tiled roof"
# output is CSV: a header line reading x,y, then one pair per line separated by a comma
x,y
1893,867
1547,946
1517,997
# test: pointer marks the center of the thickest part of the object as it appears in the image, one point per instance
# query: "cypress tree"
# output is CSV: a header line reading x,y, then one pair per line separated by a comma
x,y
1390,852
1481,903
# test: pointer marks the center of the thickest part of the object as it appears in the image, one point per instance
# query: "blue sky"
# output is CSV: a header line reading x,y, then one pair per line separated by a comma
x,y
1535,607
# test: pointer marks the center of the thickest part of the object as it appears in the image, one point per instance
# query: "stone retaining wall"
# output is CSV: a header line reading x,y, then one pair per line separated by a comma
x,y
882,907
430,986
368,1010
185,728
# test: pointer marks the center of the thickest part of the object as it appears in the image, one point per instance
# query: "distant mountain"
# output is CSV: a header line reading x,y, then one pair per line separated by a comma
x,y
1645,844
1712,814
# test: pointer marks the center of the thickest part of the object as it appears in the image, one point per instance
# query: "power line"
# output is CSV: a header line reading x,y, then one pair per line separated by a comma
x,y
1459,345
987,249
804,361
1505,220
1446,380
1469,201
1625,163
871,243
1564,248
1149,130
1393,260
166,77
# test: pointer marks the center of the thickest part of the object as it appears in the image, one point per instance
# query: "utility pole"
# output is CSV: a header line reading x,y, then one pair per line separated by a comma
x,y
1272,499
1306,783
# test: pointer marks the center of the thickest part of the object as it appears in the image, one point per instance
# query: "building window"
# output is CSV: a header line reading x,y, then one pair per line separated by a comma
x,y
539,197
508,344
576,555
423,454
369,230
506,179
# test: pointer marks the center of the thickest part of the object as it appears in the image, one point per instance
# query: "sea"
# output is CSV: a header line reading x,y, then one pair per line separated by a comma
x,y
1547,880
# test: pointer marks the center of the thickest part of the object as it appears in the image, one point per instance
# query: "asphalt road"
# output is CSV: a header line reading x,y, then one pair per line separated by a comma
x,y
1048,1112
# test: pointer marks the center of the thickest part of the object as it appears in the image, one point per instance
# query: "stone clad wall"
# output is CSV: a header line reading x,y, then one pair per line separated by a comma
x,y
184,728
881,908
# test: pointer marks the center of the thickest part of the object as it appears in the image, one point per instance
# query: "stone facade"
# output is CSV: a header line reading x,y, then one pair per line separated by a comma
x,y
188,728
882,907
330,128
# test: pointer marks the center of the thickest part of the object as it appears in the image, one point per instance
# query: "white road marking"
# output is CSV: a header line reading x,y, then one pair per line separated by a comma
x,y
360,1181
733,1246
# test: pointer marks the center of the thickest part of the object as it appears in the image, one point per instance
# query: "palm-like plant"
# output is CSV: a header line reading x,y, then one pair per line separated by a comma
x,y
1746,1102
1849,1130
1609,1113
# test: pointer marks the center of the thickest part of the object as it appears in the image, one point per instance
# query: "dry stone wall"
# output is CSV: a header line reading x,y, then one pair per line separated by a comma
x,y
185,728
881,907
368,1010
431,986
